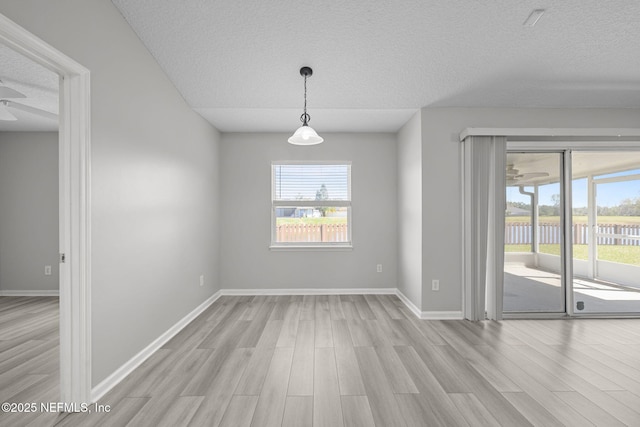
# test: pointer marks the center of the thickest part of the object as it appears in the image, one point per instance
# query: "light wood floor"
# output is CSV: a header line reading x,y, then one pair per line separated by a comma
x,y
359,361
29,353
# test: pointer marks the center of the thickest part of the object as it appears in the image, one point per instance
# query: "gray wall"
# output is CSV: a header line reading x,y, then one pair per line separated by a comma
x,y
247,261
154,180
28,211
441,185
410,210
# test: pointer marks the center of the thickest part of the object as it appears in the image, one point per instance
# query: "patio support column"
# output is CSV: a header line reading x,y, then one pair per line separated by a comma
x,y
534,223
592,212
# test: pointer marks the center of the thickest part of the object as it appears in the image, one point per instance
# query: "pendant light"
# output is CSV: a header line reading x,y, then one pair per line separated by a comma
x,y
305,135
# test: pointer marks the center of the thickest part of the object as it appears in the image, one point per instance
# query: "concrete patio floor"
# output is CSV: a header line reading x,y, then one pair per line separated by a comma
x,y
533,290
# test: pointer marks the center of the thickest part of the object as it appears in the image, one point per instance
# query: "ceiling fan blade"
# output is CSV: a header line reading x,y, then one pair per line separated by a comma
x,y
32,110
532,175
5,114
7,92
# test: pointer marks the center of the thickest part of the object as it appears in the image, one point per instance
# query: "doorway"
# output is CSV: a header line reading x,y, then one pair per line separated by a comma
x,y
74,217
579,205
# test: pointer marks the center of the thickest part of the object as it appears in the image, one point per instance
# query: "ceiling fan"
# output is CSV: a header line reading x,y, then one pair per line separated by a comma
x,y
514,177
7,95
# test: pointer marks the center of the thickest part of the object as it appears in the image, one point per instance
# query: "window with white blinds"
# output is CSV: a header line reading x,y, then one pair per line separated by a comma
x,y
311,204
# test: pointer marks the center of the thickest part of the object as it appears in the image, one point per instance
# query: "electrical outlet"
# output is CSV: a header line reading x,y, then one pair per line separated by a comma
x,y
47,270
202,280
379,268
435,285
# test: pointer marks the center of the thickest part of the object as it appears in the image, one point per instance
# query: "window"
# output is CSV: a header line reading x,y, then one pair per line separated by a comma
x,y
311,204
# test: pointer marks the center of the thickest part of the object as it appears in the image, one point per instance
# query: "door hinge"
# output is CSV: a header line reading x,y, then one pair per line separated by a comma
x,y
62,258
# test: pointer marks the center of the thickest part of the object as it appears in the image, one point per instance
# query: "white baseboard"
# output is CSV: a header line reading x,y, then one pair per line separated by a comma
x,y
428,315
19,293
411,306
425,315
314,291
441,315
112,380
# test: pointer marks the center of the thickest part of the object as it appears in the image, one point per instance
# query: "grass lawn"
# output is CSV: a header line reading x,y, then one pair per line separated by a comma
x,y
622,254
580,219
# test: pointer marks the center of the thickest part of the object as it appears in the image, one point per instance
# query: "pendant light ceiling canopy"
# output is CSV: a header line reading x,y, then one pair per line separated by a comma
x,y
305,135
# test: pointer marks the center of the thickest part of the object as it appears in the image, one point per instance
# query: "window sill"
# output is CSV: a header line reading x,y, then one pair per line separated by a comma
x,y
311,248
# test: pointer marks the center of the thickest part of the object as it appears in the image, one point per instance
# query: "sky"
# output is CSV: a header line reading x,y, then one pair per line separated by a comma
x,y
609,194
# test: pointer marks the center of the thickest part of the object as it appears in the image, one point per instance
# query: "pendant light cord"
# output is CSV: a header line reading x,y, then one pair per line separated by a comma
x,y
305,118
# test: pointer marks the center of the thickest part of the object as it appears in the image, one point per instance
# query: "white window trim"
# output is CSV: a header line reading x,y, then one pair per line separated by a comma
x,y
314,246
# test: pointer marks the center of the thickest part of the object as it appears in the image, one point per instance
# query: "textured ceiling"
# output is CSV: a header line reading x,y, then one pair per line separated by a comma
x,y
375,62
38,84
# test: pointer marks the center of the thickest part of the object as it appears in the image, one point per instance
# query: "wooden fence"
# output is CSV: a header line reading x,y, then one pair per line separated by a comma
x,y
519,233
312,233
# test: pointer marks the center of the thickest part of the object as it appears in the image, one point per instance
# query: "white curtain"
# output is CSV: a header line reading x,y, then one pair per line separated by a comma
x,y
484,206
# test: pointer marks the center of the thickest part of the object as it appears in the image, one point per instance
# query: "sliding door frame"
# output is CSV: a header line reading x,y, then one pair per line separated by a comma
x,y
566,246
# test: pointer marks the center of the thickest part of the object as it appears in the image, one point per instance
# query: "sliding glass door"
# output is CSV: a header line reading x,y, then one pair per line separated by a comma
x,y
606,232
582,206
533,281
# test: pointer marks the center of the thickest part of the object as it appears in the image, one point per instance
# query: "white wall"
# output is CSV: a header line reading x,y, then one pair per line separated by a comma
x,y
154,180
441,186
246,259
28,211
410,210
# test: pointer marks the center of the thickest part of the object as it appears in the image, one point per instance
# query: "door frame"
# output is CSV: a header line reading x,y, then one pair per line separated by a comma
x,y
74,207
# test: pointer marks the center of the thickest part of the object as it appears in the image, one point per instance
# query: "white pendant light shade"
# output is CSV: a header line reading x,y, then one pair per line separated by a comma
x,y
5,114
305,135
